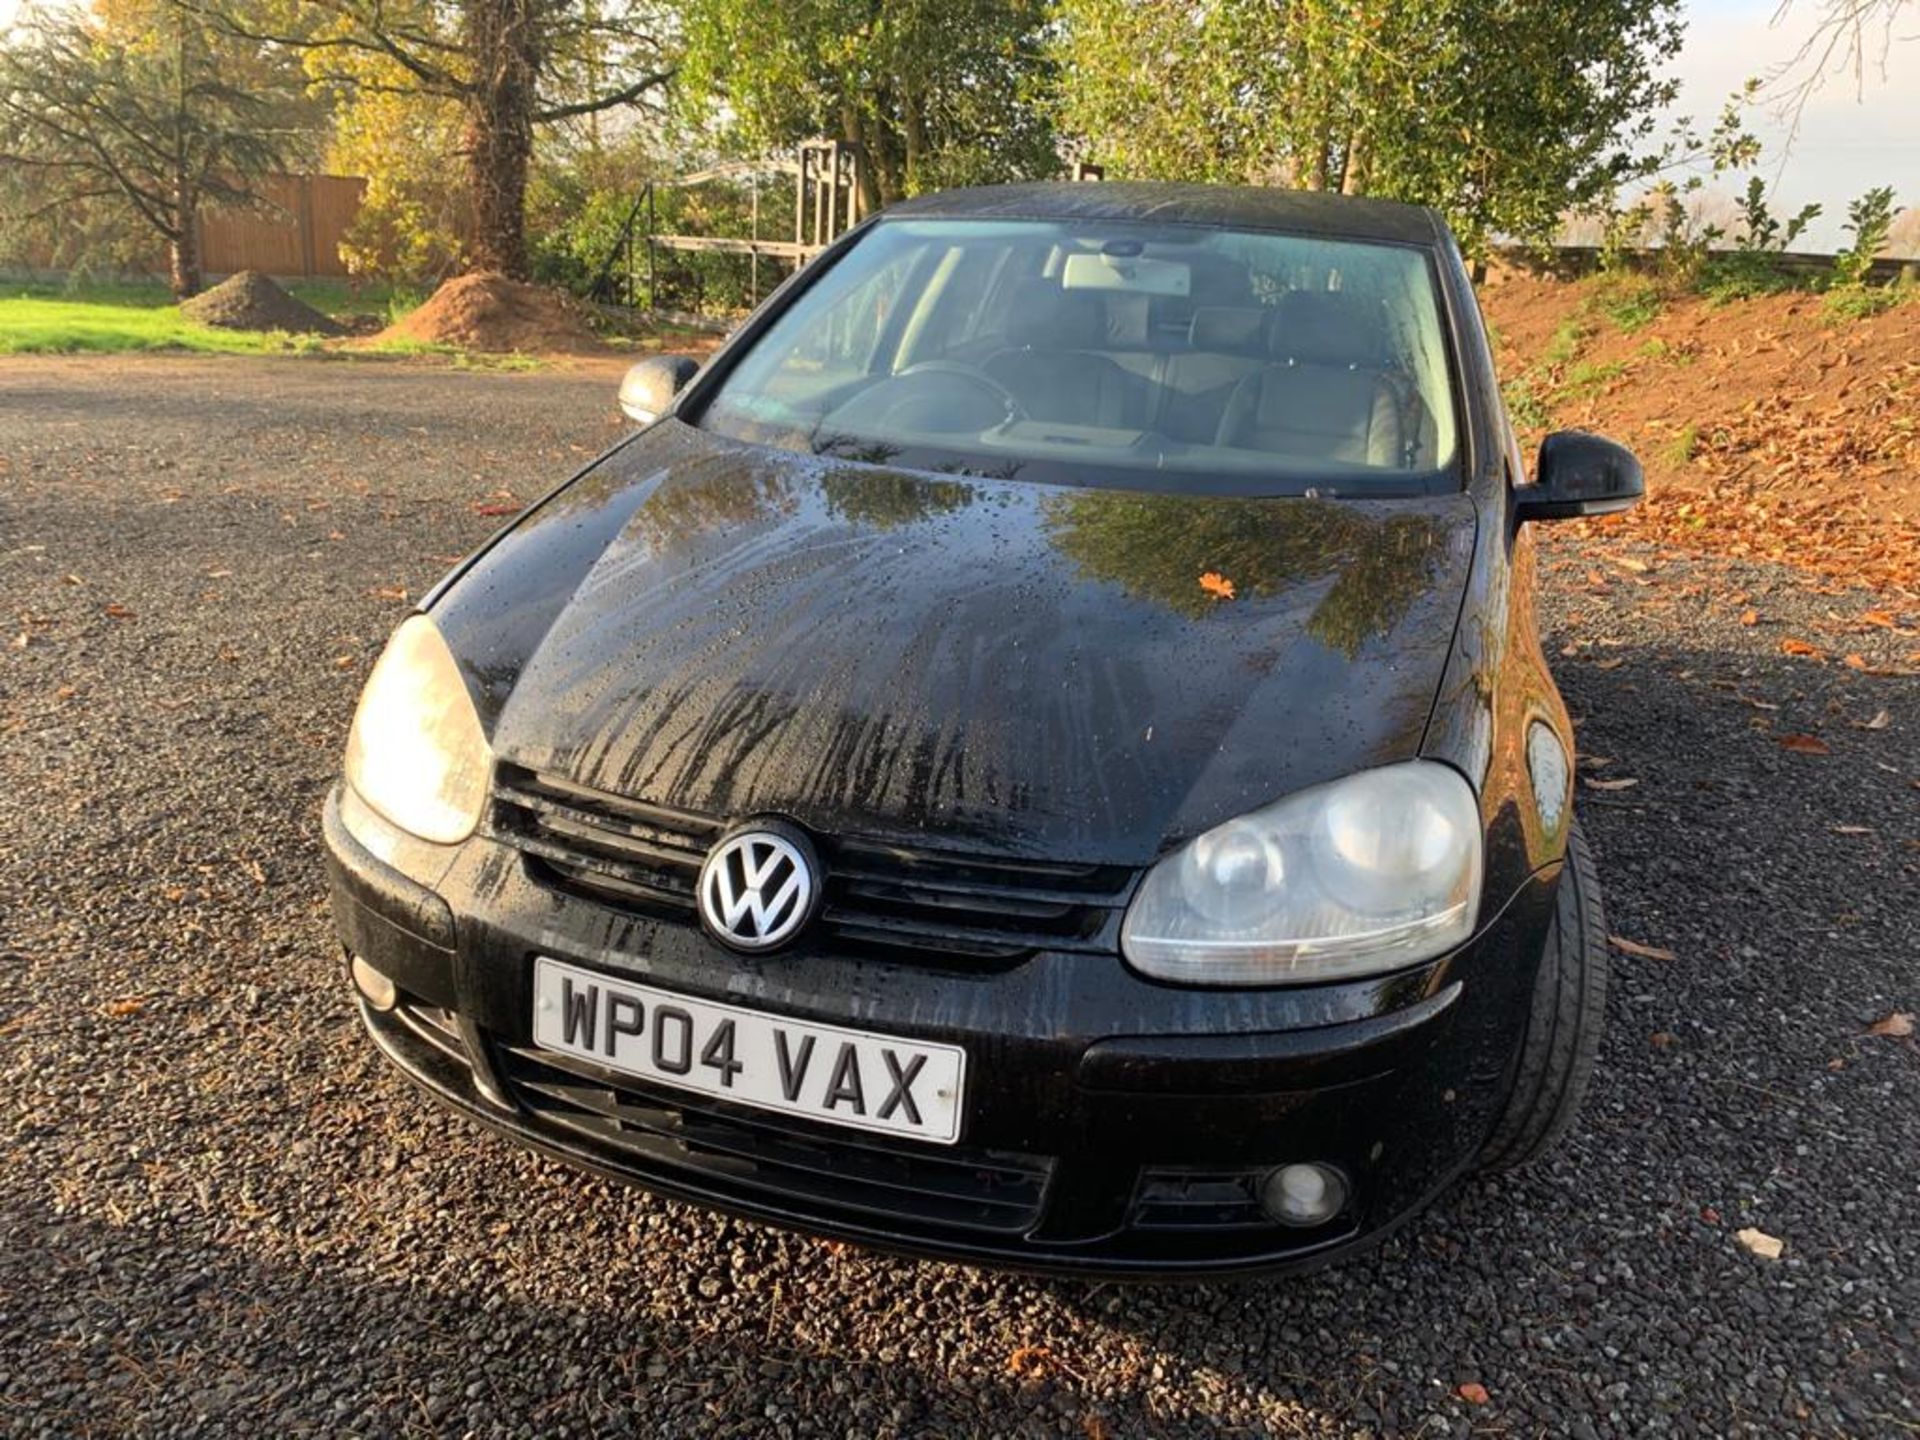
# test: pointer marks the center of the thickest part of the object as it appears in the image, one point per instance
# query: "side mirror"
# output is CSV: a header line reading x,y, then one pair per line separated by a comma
x,y
649,386
1579,474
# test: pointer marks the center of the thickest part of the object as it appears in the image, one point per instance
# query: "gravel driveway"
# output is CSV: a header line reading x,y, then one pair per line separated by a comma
x,y
219,1213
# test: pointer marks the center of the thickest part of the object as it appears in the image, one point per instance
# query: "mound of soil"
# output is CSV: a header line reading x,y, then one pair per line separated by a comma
x,y
1770,428
486,311
250,301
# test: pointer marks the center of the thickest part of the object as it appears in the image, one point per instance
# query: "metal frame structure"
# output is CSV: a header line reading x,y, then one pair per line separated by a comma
x,y
828,202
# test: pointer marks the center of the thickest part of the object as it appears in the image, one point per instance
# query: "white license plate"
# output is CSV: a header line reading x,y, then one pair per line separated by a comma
x,y
841,1077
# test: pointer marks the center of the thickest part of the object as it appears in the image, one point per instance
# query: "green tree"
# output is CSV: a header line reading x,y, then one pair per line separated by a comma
x,y
1502,116
935,94
508,66
145,107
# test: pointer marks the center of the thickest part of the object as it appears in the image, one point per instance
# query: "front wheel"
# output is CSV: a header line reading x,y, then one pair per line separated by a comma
x,y
1563,1029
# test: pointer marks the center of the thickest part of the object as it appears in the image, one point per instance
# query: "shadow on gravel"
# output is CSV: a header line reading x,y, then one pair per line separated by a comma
x,y
1736,1088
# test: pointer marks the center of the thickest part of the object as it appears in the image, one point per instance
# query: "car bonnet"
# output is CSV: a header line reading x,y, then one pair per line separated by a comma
x,y
980,665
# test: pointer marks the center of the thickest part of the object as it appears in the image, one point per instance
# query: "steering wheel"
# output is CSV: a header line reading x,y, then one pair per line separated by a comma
x,y
974,376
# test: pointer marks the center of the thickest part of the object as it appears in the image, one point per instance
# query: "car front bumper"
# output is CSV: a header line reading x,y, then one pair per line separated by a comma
x,y
1114,1125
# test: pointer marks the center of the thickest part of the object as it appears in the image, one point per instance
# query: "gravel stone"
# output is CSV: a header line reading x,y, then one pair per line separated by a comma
x,y
221,1213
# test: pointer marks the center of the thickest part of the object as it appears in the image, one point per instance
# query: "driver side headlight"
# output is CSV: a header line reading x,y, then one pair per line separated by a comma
x,y
1363,875
417,753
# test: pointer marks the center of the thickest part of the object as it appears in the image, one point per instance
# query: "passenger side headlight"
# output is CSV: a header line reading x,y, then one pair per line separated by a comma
x,y
417,753
1363,875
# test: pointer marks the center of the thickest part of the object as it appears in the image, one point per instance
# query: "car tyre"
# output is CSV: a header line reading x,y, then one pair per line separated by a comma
x,y
1563,1029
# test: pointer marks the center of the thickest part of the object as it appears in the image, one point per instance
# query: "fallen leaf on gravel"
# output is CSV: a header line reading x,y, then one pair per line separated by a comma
x,y
218,574
120,1009
496,509
1758,1242
1805,744
343,662
1627,562
1474,1393
1613,664
1791,646
1623,783
1878,722
1710,1215
1750,617
1898,1025
71,580
1661,1039
1877,617
1851,829
65,692
1095,1427
389,592
1217,585
119,611
1029,1360
1645,952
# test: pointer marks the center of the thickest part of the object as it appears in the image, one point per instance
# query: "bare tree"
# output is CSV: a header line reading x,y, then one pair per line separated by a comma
x,y
1849,36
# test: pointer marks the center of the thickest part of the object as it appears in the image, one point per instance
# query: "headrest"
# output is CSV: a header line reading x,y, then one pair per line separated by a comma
x,y
1228,330
1046,317
1324,327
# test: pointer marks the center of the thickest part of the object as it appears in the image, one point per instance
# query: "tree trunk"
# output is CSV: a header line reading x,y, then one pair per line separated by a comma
x,y
914,128
1353,179
855,133
505,44
183,244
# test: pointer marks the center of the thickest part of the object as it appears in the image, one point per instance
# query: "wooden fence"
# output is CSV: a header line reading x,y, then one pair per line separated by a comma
x,y
295,233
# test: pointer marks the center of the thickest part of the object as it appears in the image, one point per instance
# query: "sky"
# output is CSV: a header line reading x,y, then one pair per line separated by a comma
x,y
1850,139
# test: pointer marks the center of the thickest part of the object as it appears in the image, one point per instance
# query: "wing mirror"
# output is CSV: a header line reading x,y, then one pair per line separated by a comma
x,y
1579,474
648,389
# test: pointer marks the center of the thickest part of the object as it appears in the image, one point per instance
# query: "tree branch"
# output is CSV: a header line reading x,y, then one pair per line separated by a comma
x,y
625,96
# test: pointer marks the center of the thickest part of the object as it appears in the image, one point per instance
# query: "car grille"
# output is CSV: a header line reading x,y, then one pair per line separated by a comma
x,y
987,1190
932,905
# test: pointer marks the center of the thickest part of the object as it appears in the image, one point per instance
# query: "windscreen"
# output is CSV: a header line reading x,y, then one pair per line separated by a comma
x,y
1157,356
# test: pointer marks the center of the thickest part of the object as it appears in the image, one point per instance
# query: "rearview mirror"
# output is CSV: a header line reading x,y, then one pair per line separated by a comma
x,y
648,388
1579,474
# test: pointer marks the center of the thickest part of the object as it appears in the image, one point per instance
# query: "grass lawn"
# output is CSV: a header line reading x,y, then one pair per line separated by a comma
x,y
48,319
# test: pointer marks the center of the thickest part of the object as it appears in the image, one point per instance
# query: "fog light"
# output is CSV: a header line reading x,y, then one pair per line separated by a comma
x,y
1304,1194
377,988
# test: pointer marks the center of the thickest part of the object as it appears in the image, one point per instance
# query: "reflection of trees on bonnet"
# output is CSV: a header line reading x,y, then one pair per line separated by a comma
x,y
1158,547
886,498
715,496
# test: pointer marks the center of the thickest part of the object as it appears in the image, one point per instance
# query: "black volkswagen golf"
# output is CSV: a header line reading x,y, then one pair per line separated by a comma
x,y
1038,753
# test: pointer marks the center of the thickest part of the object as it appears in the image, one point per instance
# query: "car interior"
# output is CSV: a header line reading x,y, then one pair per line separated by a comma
x,y
1236,354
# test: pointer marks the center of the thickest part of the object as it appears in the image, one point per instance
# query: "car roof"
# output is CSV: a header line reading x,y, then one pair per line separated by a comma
x,y
1225,207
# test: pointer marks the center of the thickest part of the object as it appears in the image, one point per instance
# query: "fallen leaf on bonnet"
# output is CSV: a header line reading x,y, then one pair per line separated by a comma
x,y
1217,585
1623,783
1805,744
1645,952
1474,1393
1791,646
1758,1242
1897,1026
